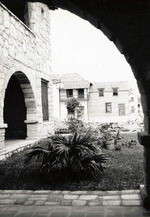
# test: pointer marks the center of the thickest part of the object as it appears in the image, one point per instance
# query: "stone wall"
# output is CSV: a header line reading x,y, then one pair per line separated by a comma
x,y
26,53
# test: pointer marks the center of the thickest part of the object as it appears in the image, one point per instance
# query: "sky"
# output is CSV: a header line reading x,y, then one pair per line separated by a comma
x,y
79,47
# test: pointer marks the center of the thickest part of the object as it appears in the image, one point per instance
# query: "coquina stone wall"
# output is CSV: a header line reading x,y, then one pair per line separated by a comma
x,y
26,54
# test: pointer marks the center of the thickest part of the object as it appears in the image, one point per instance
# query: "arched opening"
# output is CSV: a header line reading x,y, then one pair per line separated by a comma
x,y
19,108
15,111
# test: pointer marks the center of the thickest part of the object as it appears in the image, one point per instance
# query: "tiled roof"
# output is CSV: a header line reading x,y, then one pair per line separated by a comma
x,y
72,81
122,85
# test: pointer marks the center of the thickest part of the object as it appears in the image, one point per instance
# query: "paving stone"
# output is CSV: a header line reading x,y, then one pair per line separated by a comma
x,y
65,203
27,191
51,203
130,191
20,201
88,197
43,192
65,192
8,191
111,202
79,192
11,191
79,203
19,196
3,196
39,202
7,201
113,192
70,197
29,202
131,197
131,202
55,197
37,197
95,203
97,193
56,192
115,197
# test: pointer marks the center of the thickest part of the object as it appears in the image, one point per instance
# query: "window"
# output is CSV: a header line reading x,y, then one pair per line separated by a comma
x,y
44,90
69,93
115,91
132,109
121,108
108,108
81,93
101,92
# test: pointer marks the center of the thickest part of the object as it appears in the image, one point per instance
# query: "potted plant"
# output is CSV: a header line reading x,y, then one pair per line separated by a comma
x,y
132,143
118,139
109,141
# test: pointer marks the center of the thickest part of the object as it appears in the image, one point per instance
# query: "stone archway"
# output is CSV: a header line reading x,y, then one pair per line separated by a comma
x,y
14,111
25,122
126,23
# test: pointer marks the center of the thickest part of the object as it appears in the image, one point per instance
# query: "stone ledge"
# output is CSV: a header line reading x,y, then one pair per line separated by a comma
x,y
70,198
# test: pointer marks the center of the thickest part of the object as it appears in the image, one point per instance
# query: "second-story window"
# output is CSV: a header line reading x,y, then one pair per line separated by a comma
x,y
101,92
115,91
81,93
69,93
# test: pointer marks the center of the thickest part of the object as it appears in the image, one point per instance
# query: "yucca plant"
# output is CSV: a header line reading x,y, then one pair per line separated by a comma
x,y
68,157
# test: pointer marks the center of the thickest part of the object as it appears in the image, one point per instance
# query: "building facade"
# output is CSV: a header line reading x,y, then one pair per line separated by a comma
x,y
109,101
100,102
135,107
26,108
69,86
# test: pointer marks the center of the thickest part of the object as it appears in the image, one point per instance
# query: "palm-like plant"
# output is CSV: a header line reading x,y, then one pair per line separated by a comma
x,y
72,156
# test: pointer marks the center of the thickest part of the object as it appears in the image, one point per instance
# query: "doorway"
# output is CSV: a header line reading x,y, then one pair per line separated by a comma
x,y
15,111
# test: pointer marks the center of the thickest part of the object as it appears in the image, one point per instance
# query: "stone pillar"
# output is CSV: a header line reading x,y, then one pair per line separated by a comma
x,y
144,139
2,136
32,130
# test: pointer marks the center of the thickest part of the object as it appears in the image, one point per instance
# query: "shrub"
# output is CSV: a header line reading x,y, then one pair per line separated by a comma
x,y
74,124
72,104
75,156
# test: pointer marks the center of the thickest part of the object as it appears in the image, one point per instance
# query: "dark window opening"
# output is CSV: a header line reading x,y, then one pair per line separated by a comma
x,y
44,89
101,92
108,107
115,91
19,8
81,93
69,93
